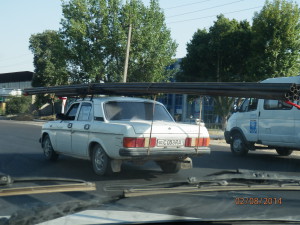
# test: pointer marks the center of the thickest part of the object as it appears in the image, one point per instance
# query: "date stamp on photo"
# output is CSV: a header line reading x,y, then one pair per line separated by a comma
x,y
258,201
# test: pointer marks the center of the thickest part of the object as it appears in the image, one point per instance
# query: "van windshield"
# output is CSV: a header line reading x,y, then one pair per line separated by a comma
x,y
135,111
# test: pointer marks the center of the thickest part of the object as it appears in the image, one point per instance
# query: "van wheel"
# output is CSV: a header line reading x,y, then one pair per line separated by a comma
x,y
49,153
169,166
101,161
284,151
238,145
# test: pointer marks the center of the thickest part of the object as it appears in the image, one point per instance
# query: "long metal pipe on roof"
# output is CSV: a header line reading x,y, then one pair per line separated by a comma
x,y
281,91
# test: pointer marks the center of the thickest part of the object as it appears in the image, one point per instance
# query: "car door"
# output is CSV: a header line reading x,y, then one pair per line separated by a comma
x,y
64,129
81,129
277,123
247,118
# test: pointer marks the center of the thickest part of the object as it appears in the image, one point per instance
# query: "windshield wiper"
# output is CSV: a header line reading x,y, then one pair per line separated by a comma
x,y
7,185
228,180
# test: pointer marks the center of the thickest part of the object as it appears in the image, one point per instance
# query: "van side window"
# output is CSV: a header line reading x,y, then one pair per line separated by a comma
x,y
276,105
249,104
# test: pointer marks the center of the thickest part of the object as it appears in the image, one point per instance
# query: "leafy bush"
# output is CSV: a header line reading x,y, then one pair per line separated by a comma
x,y
2,112
17,105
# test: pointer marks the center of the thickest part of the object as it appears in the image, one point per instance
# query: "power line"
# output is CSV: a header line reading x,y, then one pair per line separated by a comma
x,y
206,9
194,3
180,21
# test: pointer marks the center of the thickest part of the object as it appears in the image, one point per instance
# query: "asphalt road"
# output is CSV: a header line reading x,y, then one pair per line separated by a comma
x,y
21,156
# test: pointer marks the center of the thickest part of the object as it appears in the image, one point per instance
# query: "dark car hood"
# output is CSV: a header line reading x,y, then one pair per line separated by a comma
x,y
214,206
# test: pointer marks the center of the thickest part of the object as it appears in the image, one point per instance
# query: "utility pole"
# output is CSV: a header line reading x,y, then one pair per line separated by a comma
x,y
127,54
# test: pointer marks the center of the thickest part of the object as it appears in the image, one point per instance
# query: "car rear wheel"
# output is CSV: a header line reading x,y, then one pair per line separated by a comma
x,y
101,161
49,153
284,151
238,145
169,166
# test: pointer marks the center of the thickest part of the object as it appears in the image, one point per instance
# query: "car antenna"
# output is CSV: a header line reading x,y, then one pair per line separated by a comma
x,y
153,110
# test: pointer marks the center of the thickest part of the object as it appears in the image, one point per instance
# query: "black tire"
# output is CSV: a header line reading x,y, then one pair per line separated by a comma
x,y
169,166
49,153
284,151
238,145
101,161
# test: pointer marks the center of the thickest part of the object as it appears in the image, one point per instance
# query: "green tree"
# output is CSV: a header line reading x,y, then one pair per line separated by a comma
x,y
17,105
276,40
49,59
49,62
218,55
95,33
197,65
152,48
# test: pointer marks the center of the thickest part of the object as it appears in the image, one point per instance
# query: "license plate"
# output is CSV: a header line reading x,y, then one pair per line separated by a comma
x,y
169,142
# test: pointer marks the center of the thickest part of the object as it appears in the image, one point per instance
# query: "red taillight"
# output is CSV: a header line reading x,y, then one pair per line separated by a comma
x,y
152,142
188,142
206,141
129,142
140,142
194,142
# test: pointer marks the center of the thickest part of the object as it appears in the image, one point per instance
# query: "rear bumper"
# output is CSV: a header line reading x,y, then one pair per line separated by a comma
x,y
175,152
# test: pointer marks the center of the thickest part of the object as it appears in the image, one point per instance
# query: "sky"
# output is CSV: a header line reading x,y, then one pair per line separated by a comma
x,y
20,19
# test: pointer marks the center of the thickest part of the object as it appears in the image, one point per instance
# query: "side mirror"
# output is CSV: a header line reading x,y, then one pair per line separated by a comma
x,y
60,116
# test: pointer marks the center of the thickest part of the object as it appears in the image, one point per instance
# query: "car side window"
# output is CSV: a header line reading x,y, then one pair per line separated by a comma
x,y
276,105
85,113
72,112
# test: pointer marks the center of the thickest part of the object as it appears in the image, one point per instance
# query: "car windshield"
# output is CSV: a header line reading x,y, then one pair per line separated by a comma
x,y
115,110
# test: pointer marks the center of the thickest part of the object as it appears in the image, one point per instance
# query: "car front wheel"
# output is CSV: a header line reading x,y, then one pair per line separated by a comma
x,y
101,161
49,153
238,145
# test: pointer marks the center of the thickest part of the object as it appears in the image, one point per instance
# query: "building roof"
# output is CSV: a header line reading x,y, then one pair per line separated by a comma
x,y
16,77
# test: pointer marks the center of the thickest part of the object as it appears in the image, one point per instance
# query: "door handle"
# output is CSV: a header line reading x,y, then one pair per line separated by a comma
x,y
86,126
70,125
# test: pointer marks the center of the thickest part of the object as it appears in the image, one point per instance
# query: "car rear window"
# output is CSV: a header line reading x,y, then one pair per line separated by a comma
x,y
135,111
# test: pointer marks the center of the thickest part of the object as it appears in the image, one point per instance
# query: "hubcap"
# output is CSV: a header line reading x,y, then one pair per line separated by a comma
x,y
47,148
99,159
237,145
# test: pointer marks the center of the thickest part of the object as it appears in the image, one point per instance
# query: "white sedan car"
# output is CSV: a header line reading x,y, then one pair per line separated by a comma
x,y
111,130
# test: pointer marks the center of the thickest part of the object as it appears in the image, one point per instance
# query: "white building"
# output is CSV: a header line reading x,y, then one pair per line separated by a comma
x,y
12,84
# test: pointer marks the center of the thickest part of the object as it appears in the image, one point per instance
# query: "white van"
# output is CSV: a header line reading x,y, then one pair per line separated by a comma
x,y
272,124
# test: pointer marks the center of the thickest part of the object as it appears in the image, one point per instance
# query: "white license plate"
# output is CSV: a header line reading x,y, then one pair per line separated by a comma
x,y
169,142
